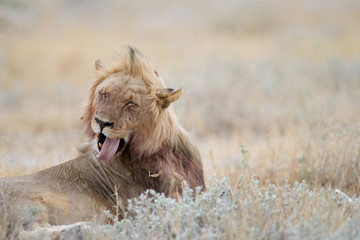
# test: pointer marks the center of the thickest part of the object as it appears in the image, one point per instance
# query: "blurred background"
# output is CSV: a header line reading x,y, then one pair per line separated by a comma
x,y
281,77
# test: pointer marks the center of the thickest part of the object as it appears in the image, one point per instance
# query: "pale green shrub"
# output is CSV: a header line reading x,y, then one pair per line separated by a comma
x,y
241,212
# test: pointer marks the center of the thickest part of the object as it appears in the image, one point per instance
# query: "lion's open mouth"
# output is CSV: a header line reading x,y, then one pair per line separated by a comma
x,y
108,147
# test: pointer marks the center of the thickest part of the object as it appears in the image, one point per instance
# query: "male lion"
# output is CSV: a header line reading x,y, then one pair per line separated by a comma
x,y
136,144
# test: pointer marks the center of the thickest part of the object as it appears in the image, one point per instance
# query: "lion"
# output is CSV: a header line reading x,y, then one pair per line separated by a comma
x,y
135,143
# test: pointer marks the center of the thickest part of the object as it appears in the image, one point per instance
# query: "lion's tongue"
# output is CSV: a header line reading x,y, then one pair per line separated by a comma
x,y
108,149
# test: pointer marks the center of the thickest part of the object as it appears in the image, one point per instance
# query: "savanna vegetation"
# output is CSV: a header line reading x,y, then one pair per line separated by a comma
x,y
271,94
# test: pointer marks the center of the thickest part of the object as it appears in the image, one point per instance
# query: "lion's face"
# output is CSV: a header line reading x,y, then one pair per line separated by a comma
x,y
121,105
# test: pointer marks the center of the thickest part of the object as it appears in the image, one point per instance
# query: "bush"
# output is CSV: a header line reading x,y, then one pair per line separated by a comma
x,y
241,212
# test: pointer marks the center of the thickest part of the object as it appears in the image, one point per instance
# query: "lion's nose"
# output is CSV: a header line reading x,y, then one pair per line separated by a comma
x,y
103,124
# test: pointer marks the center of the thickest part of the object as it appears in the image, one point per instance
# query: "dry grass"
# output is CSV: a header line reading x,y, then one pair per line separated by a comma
x,y
282,78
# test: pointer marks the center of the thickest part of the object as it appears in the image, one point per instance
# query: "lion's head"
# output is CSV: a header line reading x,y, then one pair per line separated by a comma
x,y
128,103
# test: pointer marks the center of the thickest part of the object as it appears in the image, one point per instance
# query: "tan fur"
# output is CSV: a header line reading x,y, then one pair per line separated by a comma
x,y
157,153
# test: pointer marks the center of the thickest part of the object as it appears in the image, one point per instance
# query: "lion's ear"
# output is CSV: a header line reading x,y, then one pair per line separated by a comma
x,y
166,96
99,69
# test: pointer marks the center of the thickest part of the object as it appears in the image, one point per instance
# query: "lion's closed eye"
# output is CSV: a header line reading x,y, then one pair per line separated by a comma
x,y
130,103
103,95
